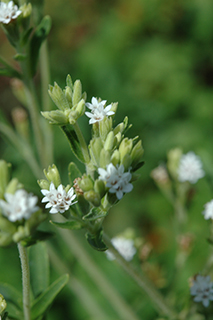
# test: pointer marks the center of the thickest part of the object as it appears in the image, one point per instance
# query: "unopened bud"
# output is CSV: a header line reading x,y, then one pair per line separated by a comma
x,y
109,143
4,176
174,156
115,158
105,126
86,183
95,149
53,175
136,153
44,184
77,92
126,161
13,185
26,10
80,107
125,147
104,158
68,95
58,97
99,187
57,117
3,303
93,197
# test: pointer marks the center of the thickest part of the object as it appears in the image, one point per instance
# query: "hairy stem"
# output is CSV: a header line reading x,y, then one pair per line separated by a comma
x,y
25,281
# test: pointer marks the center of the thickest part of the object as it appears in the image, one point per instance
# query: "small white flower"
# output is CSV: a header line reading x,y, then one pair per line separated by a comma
x,y
116,179
98,112
124,246
190,168
58,199
8,11
202,289
208,211
18,206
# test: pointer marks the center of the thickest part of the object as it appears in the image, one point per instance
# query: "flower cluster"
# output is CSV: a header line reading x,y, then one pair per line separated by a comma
x,y
202,289
58,199
8,12
18,206
208,210
124,246
116,179
98,112
190,168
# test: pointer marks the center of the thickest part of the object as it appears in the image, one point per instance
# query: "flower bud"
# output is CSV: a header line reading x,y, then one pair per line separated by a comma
x,y
69,82
99,187
95,149
114,106
80,107
26,10
3,304
136,153
104,158
53,175
126,161
77,92
12,186
174,156
105,126
109,142
44,184
93,197
86,183
125,147
56,117
58,97
4,176
115,158
68,95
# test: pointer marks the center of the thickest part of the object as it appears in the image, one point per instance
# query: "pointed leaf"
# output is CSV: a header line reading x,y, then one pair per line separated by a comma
x,y
71,225
94,214
138,166
39,268
96,241
10,72
46,298
74,142
73,172
11,294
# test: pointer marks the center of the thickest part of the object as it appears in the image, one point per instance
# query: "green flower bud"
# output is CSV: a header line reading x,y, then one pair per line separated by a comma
x,y
115,158
13,185
4,176
73,116
7,226
93,197
126,161
86,183
68,95
44,184
137,153
99,187
105,126
114,106
77,92
26,10
58,97
81,107
95,148
3,304
53,175
104,158
57,117
110,140
174,156
69,82
118,137
20,234
125,147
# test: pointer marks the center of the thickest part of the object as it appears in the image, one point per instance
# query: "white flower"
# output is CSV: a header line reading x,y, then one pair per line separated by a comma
x,y
190,168
58,199
8,11
98,112
124,246
208,211
116,179
19,205
202,290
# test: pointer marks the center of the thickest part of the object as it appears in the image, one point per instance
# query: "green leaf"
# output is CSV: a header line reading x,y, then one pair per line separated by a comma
x,y
19,57
71,225
73,172
36,237
138,166
10,72
94,214
39,268
74,142
40,34
11,294
14,312
46,298
96,241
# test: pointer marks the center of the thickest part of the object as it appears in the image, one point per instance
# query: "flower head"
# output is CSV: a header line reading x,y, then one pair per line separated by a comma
x,y
190,168
124,246
58,199
98,112
8,12
202,289
18,206
116,179
208,211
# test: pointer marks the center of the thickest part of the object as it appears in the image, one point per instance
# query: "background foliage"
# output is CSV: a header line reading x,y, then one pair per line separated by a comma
x,y
154,58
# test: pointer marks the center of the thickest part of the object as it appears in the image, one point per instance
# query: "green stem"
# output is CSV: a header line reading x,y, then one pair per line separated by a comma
x,y
120,306
25,281
23,147
143,282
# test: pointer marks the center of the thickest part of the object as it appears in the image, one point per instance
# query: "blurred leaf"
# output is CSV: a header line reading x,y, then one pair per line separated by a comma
x,y
72,225
40,34
94,214
41,304
36,237
19,57
39,268
74,142
96,241
73,172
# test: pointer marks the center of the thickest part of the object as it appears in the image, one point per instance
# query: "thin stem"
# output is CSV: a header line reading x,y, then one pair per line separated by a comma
x,y
25,280
83,144
143,282
23,147
120,306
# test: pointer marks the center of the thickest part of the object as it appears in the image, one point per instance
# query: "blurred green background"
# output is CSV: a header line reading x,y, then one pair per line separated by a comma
x,y
155,57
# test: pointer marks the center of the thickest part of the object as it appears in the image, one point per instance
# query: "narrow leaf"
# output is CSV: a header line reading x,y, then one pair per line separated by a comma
x,y
138,166
36,237
96,241
46,298
94,214
39,268
74,142
73,172
10,72
11,294
72,225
